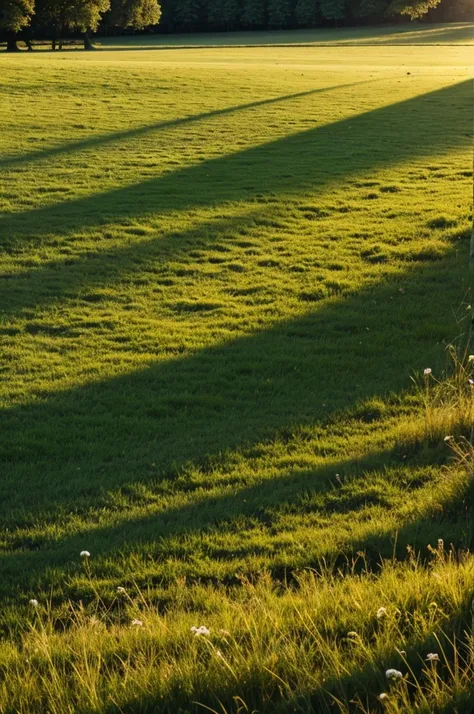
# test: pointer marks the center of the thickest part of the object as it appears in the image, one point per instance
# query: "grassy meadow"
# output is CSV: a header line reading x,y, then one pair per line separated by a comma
x,y
223,272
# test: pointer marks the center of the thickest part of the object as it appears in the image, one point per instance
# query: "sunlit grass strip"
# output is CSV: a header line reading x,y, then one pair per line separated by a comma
x,y
330,638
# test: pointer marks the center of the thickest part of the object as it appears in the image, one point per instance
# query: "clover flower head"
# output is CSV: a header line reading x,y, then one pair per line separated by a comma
x,y
33,602
470,358
432,657
382,696
393,674
427,371
448,438
136,623
85,554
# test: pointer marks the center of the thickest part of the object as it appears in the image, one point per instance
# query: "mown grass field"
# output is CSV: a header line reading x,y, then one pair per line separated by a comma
x,y
220,270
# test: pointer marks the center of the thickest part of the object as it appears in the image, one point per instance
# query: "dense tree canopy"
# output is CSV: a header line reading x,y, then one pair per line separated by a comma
x,y
15,14
415,9
72,14
204,15
135,13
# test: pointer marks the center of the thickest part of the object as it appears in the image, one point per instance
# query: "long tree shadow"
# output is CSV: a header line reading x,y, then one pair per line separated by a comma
x,y
305,162
176,530
63,456
120,136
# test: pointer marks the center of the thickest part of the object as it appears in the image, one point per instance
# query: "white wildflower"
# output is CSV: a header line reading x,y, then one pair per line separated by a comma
x,y
432,657
381,612
85,554
427,371
470,358
34,603
200,631
382,696
136,623
440,543
447,438
393,674
121,590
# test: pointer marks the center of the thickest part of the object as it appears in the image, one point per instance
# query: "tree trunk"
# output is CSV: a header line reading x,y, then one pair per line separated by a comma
x,y
27,36
87,41
12,42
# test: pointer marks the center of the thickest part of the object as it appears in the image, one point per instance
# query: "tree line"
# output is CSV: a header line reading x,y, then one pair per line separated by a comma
x,y
226,15
59,19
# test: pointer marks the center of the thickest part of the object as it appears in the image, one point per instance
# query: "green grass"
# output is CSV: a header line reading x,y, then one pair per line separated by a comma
x,y
220,269
409,34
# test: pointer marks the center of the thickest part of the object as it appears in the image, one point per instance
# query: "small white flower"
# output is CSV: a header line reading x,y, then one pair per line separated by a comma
x,y
470,381
381,612
85,554
200,631
470,358
393,674
136,623
432,657
382,696
427,371
447,438
440,543
121,590
34,603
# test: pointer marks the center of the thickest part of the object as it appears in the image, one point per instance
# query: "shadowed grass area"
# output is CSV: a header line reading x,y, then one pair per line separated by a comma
x,y
214,294
133,133
408,34
301,164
